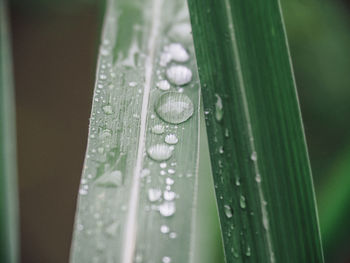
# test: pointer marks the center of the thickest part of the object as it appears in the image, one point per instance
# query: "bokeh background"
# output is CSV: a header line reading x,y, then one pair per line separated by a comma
x,y
54,50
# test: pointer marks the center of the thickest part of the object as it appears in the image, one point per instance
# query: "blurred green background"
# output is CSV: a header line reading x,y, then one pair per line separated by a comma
x,y
54,50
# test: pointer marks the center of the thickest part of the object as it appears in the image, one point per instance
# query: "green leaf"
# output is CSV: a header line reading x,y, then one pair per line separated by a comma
x,y
258,153
8,170
137,190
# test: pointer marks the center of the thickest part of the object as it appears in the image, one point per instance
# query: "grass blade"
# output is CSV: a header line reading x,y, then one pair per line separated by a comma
x,y
132,208
258,153
8,170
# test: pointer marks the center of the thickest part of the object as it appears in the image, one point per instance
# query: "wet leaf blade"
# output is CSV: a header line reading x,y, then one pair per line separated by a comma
x,y
8,169
258,153
132,203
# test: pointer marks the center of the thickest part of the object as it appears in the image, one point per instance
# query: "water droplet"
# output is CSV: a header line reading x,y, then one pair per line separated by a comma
x,y
171,171
169,195
177,52
242,202
258,178
254,156
169,181
164,229
167,209
166,259
163,85
181,31
112,229
221,149
171,139
228,211
158,129
179,75
154,194
160,152
132,84
174,107
110,179
107,109
219,112
163,165
227,133
172,235
248,252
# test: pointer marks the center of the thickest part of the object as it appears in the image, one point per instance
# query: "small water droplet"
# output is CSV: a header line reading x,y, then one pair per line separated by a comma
x,y
219,112
181,31
248,252
160,152
227,133
169,195
254,156
154,194
167,208
163,85
179,75
164,229
174,107
132,84
158,129
166,259
110,179
163,165
112,229
171,139
228,211
177,52
169,181
258,178
171,171
172,235
221,149
107,109
242,202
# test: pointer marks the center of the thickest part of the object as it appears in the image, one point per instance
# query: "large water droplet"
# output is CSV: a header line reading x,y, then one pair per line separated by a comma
x,y
219,112
163,85
179,75
111,179
167,209
171,139
177,52
154,194
160,152
228,211
174,107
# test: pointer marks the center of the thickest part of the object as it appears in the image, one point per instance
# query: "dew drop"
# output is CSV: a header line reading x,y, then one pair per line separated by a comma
x,y
169,181
110,179
132,84
179,75
107,109
171,139
163,85
164,229
172,235
160,152
174,107
228,211
248,252
163,165
166,259
112,229
181,31
242,202
254,156
169,195
258,178
177,52
167,209
219,112
158,129
154,194
171,171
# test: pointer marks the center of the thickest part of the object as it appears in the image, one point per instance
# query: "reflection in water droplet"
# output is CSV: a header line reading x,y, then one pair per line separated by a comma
x,y
163,85
174,107
242,202
158,129
179,75
154,194
167,208
177,52
171,139
228,211
107,109
219,112
160,152
110,179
